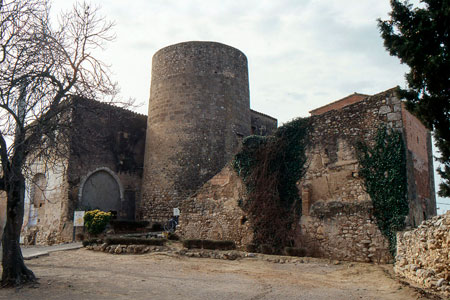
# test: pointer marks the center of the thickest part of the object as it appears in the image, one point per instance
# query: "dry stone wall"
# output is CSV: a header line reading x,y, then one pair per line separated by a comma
x,y
423,254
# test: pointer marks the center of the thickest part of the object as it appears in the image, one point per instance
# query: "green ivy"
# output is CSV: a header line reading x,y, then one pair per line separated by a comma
x,y
383,168
270,168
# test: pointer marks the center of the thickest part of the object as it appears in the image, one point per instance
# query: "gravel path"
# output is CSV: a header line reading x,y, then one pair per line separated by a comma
x,y
82,274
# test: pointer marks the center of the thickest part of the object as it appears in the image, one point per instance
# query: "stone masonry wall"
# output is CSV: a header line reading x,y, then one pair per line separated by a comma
x,y
421,192
106,137
345,231
332,183
214,212
423,254
199,111
101,136
262,124
45,204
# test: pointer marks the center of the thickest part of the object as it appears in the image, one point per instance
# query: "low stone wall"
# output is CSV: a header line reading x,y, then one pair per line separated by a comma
x,y
423,254
344,231
214,212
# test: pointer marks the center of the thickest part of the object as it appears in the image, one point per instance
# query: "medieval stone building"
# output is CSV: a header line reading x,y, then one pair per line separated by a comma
x,y
337,214
178,157
139,167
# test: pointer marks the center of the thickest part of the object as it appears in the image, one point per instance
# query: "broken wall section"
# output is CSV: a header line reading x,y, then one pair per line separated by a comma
x,y
337,218
213,212
45,203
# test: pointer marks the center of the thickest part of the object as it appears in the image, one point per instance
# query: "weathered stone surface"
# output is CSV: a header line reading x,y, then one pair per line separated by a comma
x,y
199,106
214,212
423,254
344,231
104,140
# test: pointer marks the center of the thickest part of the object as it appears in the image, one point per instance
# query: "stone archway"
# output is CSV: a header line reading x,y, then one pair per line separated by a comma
x,y
101,189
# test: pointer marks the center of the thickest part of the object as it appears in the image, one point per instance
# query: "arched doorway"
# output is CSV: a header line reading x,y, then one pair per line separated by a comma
x,y
101,190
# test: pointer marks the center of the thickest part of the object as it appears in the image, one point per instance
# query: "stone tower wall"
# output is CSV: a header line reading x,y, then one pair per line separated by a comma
x,y
199,110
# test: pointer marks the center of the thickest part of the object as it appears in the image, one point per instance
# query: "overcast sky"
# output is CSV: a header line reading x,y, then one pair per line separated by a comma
x,y
302,54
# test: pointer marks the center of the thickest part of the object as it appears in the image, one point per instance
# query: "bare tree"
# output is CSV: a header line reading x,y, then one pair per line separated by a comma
x,y
41,68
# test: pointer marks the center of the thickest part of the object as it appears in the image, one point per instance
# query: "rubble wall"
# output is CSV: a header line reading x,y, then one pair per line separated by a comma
x,y
45,204
213,212
423,254
336,220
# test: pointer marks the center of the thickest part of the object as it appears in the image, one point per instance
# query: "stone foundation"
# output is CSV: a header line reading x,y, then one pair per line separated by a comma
x,y
344,231
423,254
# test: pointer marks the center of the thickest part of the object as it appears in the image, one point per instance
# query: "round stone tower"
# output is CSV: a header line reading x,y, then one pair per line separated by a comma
x,y
199,110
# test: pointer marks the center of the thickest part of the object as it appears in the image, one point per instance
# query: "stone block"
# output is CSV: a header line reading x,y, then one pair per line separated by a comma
x,y
394,116
384,109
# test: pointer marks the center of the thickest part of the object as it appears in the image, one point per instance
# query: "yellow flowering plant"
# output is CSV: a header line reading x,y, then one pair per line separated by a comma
x,y
96,221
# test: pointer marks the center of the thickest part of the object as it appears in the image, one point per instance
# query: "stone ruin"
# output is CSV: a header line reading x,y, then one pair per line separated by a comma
x,y
179,157
423,254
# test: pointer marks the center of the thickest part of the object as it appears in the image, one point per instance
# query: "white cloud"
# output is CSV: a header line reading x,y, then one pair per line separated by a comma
x,y
319,49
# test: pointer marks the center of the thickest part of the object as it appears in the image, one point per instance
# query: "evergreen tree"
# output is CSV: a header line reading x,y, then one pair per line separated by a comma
x,y
420,37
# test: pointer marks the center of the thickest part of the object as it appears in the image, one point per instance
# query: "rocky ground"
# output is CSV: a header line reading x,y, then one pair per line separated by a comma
x,y
84,274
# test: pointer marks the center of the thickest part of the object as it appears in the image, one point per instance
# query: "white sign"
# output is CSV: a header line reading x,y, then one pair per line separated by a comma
x,y
78,218
176,211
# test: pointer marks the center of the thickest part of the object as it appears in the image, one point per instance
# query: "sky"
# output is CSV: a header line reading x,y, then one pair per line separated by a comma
x,y
302,54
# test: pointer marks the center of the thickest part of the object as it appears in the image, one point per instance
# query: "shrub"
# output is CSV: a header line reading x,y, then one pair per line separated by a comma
x,y
96,221
252,247
127,225
218,245
190,244
134,241
209,244
157,227
266,249
293,251
173,237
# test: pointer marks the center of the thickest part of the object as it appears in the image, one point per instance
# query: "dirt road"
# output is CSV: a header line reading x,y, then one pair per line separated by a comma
x,y
82,274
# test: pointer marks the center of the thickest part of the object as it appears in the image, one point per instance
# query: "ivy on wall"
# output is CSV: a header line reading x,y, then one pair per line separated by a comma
x,y
383,168
270,167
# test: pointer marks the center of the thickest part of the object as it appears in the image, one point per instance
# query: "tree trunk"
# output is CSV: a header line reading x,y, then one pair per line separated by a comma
x,y
14,270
